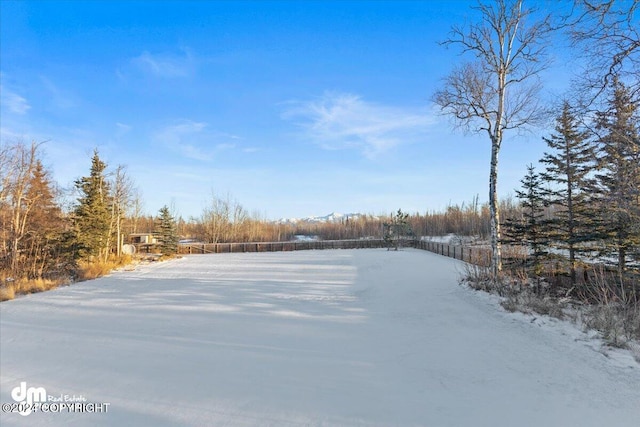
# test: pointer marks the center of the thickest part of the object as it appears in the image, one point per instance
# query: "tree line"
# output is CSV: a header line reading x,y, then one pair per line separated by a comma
x,y
42,240
585,203
42,237
496,88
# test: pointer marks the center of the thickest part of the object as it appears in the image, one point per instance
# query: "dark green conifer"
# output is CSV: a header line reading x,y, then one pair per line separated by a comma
x,y
397,230
91,216
532,230
617,183
568,165
166,232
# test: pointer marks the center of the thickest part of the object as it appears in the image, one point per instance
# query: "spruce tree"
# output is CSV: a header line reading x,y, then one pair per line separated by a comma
x,y
91,216
397,229
618,175
568,165
533,229
45,226
166,233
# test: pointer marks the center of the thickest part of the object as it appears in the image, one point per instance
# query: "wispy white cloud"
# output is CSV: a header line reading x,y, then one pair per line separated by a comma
x,y
122,129
225,146
194,140
13,102
167,65
342,120
59,98
182,137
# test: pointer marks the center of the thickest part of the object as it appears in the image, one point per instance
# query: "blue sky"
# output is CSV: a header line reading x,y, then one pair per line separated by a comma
x,y
293,108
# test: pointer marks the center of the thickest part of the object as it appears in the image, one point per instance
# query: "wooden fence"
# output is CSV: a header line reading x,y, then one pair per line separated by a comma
x,y
471,254
220,248
474,255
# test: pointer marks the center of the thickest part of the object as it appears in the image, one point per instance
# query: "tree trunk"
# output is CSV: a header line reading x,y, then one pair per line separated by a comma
x,y
572,233
118,236
494,209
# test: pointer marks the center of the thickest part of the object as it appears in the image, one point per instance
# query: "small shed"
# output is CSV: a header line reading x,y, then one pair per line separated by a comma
x,y
142,239
143,242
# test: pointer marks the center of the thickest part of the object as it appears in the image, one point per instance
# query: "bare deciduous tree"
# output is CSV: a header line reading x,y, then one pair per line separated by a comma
x,y
497,90
121,200
607,35
223,219
135,210
21,165
30,218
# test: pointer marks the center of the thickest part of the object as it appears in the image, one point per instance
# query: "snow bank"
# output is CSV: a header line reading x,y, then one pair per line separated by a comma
x,y
310,338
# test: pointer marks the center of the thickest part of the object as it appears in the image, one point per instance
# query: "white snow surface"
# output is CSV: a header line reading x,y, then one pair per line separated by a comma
x,y
309,338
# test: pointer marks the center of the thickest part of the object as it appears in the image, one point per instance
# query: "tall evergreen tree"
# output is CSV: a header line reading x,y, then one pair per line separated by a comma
x,y
166,232
568,166
44,227
92,215
618,175
533,229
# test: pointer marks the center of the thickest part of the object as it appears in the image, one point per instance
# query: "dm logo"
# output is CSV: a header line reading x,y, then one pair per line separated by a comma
x,y
29,396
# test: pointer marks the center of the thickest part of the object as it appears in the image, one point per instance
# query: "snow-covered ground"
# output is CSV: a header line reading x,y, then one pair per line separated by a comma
x,y
309,338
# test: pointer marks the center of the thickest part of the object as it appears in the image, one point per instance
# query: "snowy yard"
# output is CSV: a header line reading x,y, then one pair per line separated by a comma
x,y
309,338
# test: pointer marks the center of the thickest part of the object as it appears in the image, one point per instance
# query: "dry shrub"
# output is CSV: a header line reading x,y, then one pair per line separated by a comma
x,y
7,292
610,303
635,350
477,277
632,322
93,270
511,304
614,307
618,323
527,301
606,319
476,272
124,260
25,286
10,289
545,305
